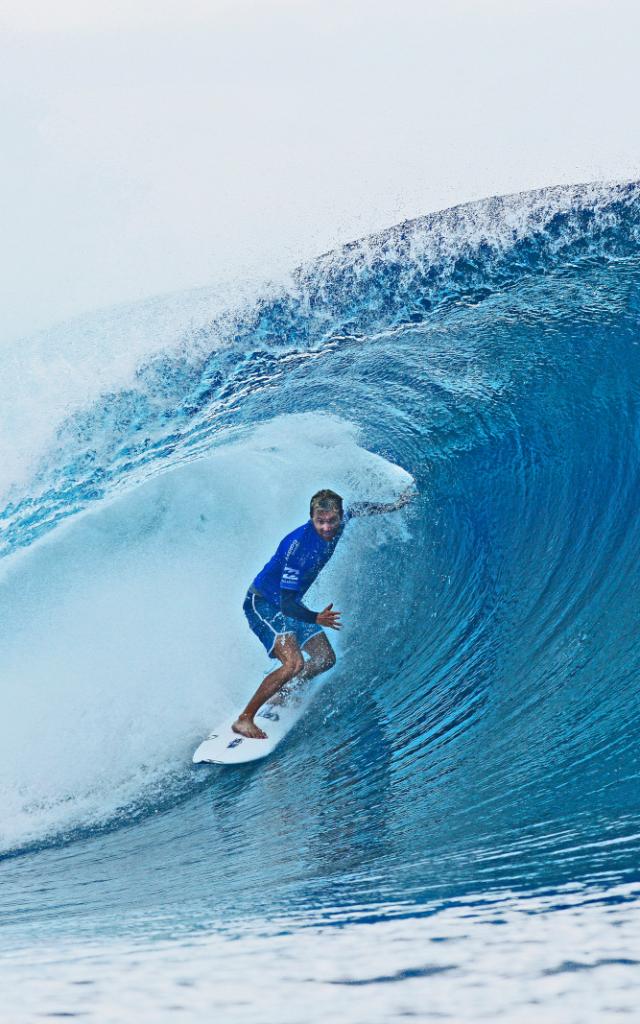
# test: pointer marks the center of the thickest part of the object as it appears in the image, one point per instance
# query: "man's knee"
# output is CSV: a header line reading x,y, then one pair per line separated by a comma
x,y
294,665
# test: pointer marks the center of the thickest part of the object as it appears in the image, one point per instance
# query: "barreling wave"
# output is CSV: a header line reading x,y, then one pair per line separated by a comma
x,y
198,382
481,726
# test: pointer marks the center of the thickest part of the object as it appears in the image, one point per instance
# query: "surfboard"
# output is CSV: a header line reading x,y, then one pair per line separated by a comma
x,y
224,746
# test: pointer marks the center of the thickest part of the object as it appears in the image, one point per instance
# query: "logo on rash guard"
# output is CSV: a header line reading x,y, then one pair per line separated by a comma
x,y
289,573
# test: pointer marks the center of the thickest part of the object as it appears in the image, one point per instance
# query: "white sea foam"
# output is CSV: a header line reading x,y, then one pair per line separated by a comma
x,y
124,638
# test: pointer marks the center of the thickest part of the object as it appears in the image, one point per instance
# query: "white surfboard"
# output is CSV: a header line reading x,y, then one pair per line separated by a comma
x,y
224,746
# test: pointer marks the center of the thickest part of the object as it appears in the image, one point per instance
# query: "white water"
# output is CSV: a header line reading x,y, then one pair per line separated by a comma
x,y
123,629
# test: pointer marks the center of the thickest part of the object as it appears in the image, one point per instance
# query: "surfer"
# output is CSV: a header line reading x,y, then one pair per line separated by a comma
x,y
273,605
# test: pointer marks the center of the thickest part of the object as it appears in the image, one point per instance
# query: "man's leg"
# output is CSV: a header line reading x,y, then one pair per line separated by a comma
x,y
286,649
321,657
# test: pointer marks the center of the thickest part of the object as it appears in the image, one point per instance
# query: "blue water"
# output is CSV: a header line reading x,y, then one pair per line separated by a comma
x,y
479,735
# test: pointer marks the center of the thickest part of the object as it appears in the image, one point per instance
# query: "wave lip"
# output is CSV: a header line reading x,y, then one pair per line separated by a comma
x,y
192,383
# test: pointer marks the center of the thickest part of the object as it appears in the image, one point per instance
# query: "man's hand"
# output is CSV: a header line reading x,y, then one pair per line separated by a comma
x,y
328,618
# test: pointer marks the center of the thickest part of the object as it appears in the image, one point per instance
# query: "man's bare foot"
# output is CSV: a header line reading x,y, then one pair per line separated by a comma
x,y
245,726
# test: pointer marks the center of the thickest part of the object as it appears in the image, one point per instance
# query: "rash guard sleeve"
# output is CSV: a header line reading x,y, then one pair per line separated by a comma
x,y
291,605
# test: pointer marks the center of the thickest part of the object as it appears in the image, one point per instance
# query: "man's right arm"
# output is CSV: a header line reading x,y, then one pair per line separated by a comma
x,y
374,508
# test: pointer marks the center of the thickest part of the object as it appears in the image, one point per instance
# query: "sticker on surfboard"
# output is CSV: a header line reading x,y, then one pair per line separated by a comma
x,y
224,746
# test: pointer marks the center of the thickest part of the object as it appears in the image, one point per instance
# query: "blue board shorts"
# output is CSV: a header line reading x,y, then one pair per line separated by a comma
x,y
268,622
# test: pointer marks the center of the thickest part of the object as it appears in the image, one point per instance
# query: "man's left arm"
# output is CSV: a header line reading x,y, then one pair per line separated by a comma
x,y
374,508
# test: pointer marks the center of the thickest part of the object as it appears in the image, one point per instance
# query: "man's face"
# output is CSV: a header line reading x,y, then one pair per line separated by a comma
x,y
326,522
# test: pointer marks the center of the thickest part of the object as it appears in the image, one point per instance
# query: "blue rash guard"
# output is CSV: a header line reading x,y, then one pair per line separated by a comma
x,y
298,560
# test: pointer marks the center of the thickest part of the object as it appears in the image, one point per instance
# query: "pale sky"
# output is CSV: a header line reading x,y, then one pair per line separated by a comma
x,y
150,147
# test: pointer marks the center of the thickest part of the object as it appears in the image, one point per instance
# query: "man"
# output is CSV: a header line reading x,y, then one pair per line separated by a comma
x,y
273,605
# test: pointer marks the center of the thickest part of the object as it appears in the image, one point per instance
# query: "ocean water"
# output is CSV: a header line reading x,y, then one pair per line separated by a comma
x,y
453,830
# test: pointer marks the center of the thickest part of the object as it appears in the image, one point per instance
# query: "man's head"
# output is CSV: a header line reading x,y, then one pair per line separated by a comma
x,y
326,513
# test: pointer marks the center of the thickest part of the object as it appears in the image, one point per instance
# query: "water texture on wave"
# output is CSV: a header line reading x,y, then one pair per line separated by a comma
x,y
480,730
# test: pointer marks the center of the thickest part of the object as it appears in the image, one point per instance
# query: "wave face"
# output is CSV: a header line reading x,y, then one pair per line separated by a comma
x,y
480,731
